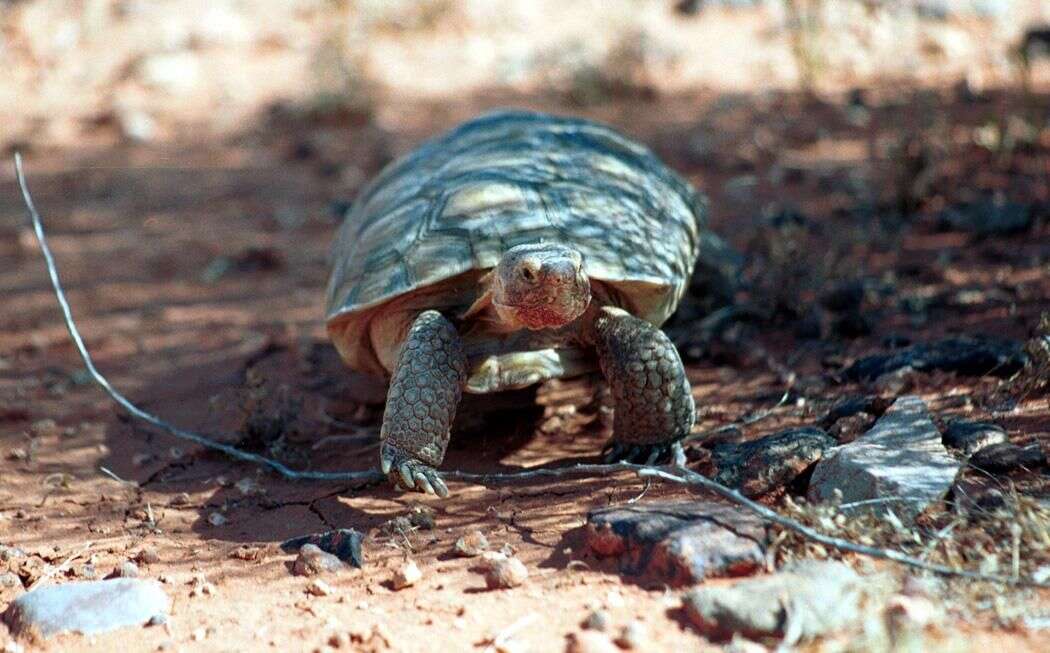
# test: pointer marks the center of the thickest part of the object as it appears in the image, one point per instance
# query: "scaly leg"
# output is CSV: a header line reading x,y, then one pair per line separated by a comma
x,y
654,402
421,402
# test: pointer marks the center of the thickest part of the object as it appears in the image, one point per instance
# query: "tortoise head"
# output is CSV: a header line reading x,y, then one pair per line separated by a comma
x,y
540,286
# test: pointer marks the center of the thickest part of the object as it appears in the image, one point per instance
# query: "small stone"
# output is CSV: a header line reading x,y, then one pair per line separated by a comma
x,y
822,596
126,569
10,579
901,457
87,607
147,556
339,640
910,613
1006,457
680,542
318,587
896,382
472,544
502,571
597,620
406,575
216,519
249,487
343,543
1042,574
632,636
312,561
247,553
770,463
590,641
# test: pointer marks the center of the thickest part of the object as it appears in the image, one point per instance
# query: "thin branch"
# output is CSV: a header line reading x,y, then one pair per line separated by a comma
x,y
675,473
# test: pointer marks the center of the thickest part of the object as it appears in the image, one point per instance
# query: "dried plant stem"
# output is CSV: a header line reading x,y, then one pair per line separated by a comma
x,y
674,473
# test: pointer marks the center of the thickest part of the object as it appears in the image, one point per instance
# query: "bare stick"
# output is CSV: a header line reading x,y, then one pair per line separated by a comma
x,y
674,473
61,566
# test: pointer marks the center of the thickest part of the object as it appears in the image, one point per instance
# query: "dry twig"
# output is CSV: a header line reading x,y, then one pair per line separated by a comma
x,y
675,473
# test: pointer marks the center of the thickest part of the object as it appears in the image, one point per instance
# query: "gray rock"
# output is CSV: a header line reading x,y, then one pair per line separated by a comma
x,y
10,579
312,561
970,437
901,457
769,463
1007,457
344,543
678,542
87,607
809,598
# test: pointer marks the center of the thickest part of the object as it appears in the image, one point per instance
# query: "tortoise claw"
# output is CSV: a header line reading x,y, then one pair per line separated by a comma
x,y
408,473
640,454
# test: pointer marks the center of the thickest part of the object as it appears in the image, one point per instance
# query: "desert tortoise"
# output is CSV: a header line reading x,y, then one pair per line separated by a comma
x,y
516,248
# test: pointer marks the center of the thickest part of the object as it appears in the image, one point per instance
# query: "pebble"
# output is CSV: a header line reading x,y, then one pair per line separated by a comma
x,y
406,575
126,569
318,587
216,519
10,579
147,556
590,641
503,571
312,561
472,544
597,620
343,543
632,636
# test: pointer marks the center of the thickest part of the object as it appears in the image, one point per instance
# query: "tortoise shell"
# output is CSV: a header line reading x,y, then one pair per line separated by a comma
x,y
448,210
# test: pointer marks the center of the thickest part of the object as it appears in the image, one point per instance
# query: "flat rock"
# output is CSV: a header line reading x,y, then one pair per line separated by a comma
x,y
814,597
678,542
312,561
970,437
901,457
966,356
344,543
1006,457
87,607
761,466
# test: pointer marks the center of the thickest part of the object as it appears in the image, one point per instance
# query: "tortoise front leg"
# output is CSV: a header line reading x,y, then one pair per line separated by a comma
x,y
421,402
654,402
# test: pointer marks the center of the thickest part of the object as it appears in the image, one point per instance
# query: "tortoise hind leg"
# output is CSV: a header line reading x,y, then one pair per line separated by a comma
x,y
421,402
654,402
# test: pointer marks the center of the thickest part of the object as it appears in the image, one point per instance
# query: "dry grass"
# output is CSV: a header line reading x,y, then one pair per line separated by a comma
x,y
1013,539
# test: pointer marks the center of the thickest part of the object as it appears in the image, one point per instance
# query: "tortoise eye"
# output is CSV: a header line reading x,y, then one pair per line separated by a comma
x,y
527,273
